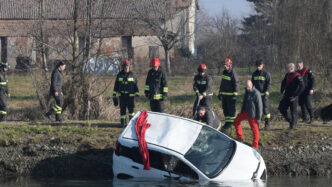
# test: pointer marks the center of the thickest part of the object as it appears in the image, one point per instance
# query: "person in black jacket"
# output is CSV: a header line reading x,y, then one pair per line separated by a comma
x,y
203,88
156,88
227,93
4,90
126,86
56,91
262,82
205,115
252,110
306,95
291,87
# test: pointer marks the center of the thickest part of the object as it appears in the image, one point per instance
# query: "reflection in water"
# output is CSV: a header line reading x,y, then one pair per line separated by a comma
x,y
274,181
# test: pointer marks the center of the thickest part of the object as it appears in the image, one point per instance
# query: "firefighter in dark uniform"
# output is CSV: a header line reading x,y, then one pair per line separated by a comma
x,y
306,96
291,87
227,93
4,90
262,82
205,115
126,86
203,88
56,91
156,89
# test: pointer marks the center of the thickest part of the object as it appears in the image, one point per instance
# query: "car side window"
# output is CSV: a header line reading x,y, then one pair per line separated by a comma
x,y
160,161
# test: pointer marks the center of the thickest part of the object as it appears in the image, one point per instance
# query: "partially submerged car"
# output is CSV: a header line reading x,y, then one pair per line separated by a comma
x,y
185,149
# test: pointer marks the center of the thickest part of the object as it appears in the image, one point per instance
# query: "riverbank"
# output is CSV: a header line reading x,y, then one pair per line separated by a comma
x,y
84,149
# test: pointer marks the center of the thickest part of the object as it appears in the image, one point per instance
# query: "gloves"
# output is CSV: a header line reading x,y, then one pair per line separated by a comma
x,y
164,95
115,100
219,96
147,95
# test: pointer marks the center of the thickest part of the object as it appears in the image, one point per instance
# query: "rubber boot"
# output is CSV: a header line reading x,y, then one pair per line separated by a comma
x,y
58,117
123,122
49,115
267,124
2,117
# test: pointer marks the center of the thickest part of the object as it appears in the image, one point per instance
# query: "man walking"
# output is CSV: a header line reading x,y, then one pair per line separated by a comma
x,y
227,93
156,89
306,96
126,86
261,79
291,87
56,91
4,90
203,88
252,110
205,115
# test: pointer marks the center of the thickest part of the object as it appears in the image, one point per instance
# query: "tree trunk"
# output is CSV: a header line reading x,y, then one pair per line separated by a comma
x,y
167,61
43,52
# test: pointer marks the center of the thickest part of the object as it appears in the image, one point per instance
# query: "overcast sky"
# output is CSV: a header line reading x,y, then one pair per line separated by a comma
x,y
237,8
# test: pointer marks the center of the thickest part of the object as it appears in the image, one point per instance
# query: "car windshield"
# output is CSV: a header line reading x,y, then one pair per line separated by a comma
x,y
211,152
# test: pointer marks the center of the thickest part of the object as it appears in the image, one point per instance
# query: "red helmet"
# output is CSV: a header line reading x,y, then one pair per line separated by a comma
x,y
228,62
202,68
155,62
126,63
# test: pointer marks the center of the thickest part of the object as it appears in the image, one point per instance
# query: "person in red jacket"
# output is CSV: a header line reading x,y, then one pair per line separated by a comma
x,y
291,88
306,96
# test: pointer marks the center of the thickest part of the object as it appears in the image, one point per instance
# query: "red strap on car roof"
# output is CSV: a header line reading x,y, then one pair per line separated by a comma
x,y
141,126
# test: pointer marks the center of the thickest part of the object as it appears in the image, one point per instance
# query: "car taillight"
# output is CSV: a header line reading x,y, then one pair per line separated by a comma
x,y
117,146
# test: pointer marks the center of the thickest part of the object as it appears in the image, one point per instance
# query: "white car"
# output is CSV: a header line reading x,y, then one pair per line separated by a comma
x,y
185,149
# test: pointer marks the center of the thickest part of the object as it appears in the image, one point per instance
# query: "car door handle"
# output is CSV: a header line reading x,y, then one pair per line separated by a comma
x,y
135,167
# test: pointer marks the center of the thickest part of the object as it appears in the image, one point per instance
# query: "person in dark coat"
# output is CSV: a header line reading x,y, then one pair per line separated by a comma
x,y
203,88
227,94
205,115
252,110
306,96
156,88
261,80
126,86
56,91
4,90
291,87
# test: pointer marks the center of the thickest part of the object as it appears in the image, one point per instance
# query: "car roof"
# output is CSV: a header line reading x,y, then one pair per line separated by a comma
x,y
168,131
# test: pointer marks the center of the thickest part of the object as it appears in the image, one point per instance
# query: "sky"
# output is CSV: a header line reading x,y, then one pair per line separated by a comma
x,y
237,8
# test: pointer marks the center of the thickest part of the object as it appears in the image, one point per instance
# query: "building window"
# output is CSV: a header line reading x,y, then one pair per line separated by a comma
x,y
154,51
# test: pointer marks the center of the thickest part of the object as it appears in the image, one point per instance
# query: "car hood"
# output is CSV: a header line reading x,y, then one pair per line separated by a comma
x,y
244,164
168,131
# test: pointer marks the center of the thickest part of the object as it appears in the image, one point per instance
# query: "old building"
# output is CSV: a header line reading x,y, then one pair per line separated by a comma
x,y
115,28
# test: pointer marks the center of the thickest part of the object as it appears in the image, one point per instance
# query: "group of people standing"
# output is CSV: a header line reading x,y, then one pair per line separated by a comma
x,y
296,87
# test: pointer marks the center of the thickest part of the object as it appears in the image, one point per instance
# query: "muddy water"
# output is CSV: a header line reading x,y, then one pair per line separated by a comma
x,y
272,181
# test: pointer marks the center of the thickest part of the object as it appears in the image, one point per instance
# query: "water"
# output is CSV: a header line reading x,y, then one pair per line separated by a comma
x,y
273,181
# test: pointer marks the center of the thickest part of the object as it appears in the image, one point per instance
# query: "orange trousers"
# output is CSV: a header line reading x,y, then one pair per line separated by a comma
x,y
253,124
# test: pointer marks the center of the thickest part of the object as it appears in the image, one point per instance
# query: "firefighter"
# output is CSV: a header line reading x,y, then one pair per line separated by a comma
x,y
306,96
203,88
227,93
252,110
291,87
205,115
4,90
126,86
156,89
56,91
262,82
